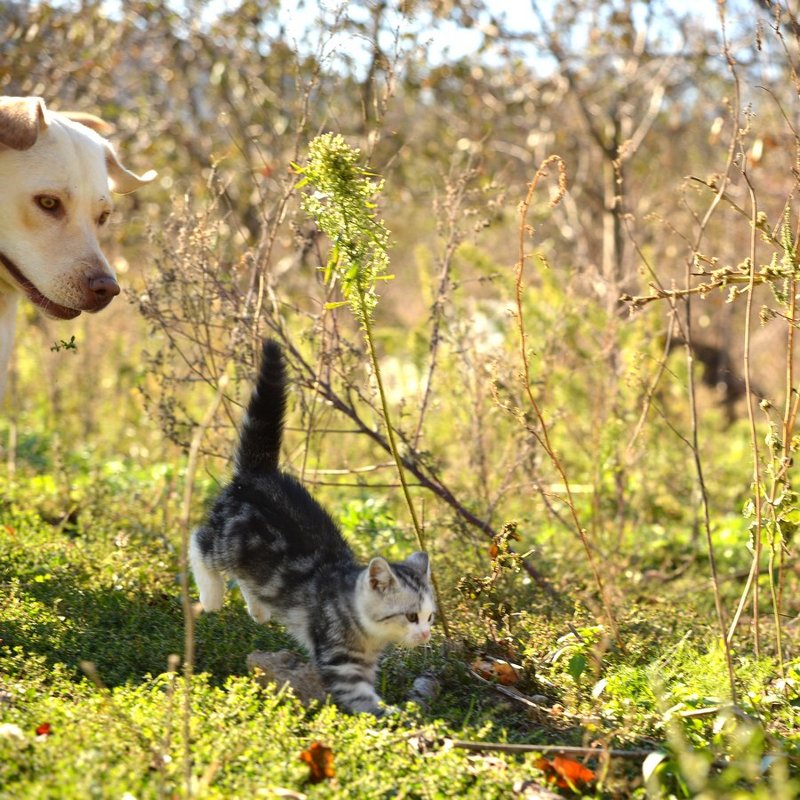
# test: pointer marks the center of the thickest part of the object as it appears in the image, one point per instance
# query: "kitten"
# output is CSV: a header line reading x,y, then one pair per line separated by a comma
x,y
291,561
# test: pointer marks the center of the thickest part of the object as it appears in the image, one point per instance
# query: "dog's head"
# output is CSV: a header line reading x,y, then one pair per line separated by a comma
x,y
56,177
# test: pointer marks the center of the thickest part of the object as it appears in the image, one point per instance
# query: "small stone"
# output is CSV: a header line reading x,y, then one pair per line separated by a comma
x,y
424,689
286,668
539,699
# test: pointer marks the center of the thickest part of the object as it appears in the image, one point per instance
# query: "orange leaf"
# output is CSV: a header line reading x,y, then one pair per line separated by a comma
x,y
506,674
320,762
496,670
45,729
493,550
564,772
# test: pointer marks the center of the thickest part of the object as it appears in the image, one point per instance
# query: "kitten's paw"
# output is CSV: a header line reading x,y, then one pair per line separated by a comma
x,y
210,583
256,609
424,690
211,602
374,706
258,613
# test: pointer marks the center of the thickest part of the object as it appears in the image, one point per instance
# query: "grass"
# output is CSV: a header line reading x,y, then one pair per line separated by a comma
x,y
99,584
85,595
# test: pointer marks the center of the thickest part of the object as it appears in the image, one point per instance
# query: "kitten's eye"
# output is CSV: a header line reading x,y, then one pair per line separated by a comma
x,y
48,203
430,618
412,618
103,218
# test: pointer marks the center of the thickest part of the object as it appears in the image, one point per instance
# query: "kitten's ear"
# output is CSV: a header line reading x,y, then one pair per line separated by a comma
x,y
420,562
381,576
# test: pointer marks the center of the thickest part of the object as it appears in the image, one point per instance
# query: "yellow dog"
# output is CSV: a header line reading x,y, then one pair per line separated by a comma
x,y
56,177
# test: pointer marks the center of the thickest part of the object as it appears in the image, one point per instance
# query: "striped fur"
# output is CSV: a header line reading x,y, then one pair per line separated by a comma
x,y
292,562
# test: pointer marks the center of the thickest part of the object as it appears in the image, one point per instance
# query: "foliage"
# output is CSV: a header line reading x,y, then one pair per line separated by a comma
x,y
91,593
342,206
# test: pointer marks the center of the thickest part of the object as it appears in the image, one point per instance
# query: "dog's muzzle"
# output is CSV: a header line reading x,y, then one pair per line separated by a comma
x,y
99,291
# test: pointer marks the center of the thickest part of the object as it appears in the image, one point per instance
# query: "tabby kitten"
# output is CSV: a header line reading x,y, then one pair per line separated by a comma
x,y
291,561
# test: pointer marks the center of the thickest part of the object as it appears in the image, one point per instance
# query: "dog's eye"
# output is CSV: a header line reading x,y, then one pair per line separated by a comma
x,y
103,218
413,618
48,203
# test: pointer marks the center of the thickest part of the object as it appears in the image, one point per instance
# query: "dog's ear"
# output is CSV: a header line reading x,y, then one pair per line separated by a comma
x,y
124,181
21,120
90,121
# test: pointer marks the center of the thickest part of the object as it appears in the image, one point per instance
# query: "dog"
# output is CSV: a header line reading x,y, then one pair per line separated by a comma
x,y
56,175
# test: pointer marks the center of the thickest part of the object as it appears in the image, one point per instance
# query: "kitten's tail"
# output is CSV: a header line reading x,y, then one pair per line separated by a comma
x,y
262,427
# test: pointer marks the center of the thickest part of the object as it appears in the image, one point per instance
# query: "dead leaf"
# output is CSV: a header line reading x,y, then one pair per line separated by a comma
x,y
45,729
495,669
320,762
564,772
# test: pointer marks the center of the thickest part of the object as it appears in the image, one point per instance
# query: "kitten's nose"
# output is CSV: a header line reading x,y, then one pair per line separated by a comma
x,y
424,635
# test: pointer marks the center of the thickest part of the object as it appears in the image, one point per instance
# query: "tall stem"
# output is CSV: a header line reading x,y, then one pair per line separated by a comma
x,y
391,439
186,601
757,487
542,434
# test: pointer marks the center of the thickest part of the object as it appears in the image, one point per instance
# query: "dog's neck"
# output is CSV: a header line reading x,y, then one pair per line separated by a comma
x,y
8,320
9,295
7,285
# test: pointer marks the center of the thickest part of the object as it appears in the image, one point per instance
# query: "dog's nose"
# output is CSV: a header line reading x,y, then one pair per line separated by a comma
x,y
103,287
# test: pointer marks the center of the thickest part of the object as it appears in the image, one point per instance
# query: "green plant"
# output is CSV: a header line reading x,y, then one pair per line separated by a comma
x,y
343,206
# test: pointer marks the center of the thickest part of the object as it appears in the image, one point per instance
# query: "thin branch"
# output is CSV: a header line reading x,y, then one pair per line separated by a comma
x,y
595,752
186,601
692,393
451,244
542,433
757,488
412,461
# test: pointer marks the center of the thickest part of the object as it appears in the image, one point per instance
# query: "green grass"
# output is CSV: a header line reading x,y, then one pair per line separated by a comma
x,y
89,573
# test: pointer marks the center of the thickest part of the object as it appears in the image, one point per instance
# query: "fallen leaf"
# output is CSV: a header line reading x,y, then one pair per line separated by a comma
x,y
320,762
45,729
564,772
496,669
